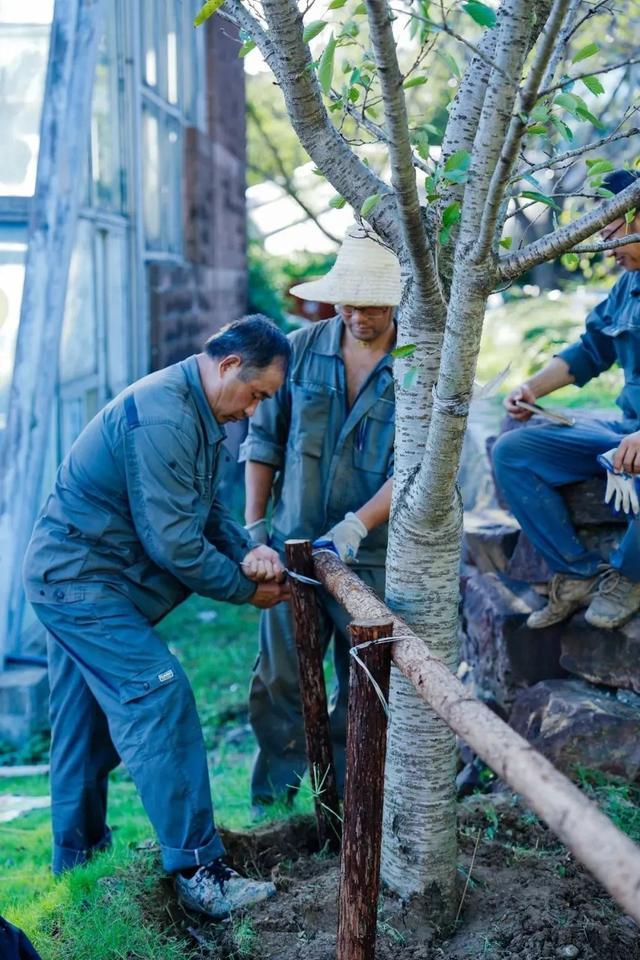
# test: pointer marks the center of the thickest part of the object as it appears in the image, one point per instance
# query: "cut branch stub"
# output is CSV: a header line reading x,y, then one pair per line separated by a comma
x,y
313,694
363,791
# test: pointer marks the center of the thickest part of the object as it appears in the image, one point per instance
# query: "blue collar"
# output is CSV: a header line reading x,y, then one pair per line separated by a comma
x,y
215,432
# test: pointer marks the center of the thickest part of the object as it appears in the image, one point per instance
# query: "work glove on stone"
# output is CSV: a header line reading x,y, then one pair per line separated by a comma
x,y
259,532
621,489
346,537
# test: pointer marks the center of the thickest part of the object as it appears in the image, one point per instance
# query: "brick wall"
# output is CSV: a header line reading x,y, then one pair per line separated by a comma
x,y
190,301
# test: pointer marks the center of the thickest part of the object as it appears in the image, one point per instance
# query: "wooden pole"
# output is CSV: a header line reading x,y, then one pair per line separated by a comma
x,y
363,792
612,858
313,694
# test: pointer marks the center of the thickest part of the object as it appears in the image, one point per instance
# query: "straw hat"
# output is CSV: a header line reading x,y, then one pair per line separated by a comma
x,y
366,274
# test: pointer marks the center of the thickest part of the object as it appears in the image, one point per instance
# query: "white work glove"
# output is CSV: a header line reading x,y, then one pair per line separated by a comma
x,y
258,531
621,487
347,536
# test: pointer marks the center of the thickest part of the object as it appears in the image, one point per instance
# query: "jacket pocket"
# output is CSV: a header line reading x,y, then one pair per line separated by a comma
x,y
309,420
147,682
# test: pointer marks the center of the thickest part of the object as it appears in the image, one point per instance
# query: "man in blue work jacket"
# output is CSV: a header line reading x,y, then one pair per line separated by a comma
x,y
531,464
321,451
133,526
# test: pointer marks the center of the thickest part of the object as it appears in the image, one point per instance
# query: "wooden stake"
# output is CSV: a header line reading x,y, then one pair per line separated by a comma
x,y
612,858
363,792
313,694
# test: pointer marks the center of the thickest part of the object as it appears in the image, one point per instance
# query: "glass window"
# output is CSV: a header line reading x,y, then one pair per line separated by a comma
x,y
162,187
149,23
13,248
24,47
106,122
79,346
172,51
118,336
194,93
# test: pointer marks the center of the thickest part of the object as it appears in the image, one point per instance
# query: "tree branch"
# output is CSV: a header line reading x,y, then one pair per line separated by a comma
x,y
563,39
564,239
607,245
593,73
299,84
403,176
572,154
527,97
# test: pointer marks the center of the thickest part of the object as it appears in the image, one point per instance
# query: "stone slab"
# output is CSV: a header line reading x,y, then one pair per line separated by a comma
x,y
490,537
503,653
608,657
575,724
24,698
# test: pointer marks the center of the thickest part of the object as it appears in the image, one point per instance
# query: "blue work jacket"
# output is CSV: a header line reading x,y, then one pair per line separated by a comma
x,y
135,506
612,334
329,458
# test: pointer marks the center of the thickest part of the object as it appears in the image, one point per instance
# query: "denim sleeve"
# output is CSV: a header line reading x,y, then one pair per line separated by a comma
x,y
268,430
595,351
164,507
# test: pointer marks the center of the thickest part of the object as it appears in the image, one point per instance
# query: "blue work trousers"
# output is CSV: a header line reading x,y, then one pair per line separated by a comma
x,y
118,693
530,464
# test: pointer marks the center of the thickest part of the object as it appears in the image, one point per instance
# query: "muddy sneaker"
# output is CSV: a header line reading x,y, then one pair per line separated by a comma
x,y
217,890
616,601
566,595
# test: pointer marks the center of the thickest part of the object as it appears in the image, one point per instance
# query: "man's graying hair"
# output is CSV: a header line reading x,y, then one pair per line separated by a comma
x,y
255,339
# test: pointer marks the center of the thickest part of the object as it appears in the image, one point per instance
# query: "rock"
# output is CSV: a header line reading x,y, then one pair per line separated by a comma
x,y
574,724
608,657
586,504
570,952
504,654
527,564
490,537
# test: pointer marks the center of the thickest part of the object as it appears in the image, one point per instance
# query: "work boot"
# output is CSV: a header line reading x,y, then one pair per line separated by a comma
x,y
217,890
616,601
566,595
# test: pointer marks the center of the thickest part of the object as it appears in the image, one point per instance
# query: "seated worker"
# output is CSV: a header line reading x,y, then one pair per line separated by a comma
x,y
321,453
531,464
133,526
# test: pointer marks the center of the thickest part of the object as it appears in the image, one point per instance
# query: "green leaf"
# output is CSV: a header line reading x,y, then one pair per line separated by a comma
x,y
318,173
369,204
570,261
336,4
414,82
337,202
312,29
506,242
567,101
206,11
586,52
584,114
540,198
444,236
480,12
459,160
564,130
451,214
537,128
449,61
354,94
594,85
630,215
407,350
597,167
360,10
540,113
246,48
605,192
409,378
325,67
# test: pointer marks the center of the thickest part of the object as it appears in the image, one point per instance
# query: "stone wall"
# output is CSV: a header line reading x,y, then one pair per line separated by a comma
x,y
189,301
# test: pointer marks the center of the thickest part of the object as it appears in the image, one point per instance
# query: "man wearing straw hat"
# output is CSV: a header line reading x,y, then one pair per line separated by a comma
x,y
320,453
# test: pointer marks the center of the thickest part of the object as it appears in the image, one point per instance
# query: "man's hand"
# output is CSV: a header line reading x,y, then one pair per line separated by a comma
x,y
523,392
263,564
269,594
627,456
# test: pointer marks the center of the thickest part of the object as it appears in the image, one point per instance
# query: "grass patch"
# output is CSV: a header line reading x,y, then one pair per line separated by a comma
x,y
116,908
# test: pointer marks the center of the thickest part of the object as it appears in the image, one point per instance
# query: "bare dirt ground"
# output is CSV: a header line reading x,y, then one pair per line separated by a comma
x,y
526,898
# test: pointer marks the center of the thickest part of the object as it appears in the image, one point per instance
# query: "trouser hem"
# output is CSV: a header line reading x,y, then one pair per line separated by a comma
x,y
66,858
175,859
